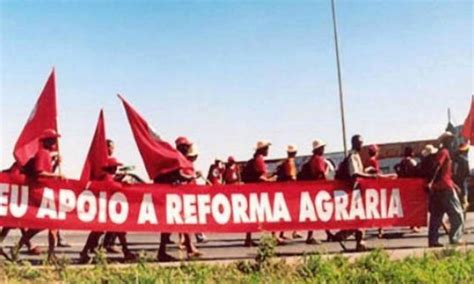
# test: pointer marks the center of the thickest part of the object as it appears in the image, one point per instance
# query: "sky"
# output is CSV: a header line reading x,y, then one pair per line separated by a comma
x,y
228,73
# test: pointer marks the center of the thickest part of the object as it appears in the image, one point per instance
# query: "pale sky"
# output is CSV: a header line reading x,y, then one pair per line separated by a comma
x,y
228,73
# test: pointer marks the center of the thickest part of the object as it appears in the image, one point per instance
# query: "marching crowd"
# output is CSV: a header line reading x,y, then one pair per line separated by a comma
x,y
444,168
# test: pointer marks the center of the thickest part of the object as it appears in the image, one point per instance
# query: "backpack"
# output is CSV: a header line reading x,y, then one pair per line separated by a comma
x,y
342,172
305,173
248,172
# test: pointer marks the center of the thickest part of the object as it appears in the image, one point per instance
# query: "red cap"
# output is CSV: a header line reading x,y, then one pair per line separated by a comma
x,y
373,148
112,162
230,159
182,141
49,133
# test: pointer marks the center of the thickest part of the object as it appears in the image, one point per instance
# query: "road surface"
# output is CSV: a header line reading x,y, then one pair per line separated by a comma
x,y
230,246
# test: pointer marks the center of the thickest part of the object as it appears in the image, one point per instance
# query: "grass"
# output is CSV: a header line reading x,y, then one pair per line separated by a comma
x,y
447,266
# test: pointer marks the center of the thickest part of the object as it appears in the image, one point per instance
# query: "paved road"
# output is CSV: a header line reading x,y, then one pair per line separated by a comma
x,y
229,246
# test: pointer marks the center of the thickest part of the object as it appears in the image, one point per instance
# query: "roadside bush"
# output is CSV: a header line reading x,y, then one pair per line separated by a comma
x,y
447,266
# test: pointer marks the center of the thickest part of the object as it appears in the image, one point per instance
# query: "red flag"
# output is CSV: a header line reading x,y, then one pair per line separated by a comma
x,y
97,156
159,156
468,128
43,116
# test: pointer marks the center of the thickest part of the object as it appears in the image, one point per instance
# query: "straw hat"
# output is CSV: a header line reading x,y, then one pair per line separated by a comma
x,y
429,150
193,151
446,134
291,149
262,144
318,144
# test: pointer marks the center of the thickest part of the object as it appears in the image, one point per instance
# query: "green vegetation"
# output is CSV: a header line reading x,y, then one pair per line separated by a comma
x,y
447,266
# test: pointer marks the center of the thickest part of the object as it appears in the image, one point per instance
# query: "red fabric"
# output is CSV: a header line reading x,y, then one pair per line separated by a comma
x,y
318,167
444,180
215,175
43,161
374,163
106,177
259,166
97,157
158,156
231,174
410,197
42,117
468,128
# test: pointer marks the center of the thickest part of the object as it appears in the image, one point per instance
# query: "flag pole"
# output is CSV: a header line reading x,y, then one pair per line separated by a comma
x,y
57,125
339,79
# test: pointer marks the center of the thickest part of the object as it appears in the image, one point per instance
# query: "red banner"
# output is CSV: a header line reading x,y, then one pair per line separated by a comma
x,y
99,206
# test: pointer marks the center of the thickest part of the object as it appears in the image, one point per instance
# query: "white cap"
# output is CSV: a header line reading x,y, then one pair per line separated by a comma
x,y
445,134
429,150
262,144
318,144
291,149
193,151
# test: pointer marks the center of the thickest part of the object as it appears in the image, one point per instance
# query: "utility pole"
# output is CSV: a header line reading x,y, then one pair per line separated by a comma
x,y
339,79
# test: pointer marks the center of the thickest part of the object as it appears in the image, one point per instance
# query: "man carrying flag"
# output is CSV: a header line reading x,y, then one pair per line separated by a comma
x,y
43,166
163,163
99,166
33,139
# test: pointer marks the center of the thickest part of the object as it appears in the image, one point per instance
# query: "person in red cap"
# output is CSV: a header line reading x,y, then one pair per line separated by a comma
x,y
216,172
92,242
232,172
44,165
183,145
373,165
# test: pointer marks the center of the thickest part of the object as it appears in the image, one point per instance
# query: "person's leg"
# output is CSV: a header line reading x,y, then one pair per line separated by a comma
x,y
278,240
162,255
62,241
109,242
26,237
436,218
52,240
360,243
200,238
191,250
455,214
310,240
4,233
248,240
329,236
91,245
296,235
127,254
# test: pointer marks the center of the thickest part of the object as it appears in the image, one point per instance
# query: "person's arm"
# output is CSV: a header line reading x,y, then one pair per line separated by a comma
x,y
43,166
441,159
261,170
354,170
430,183
49,175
